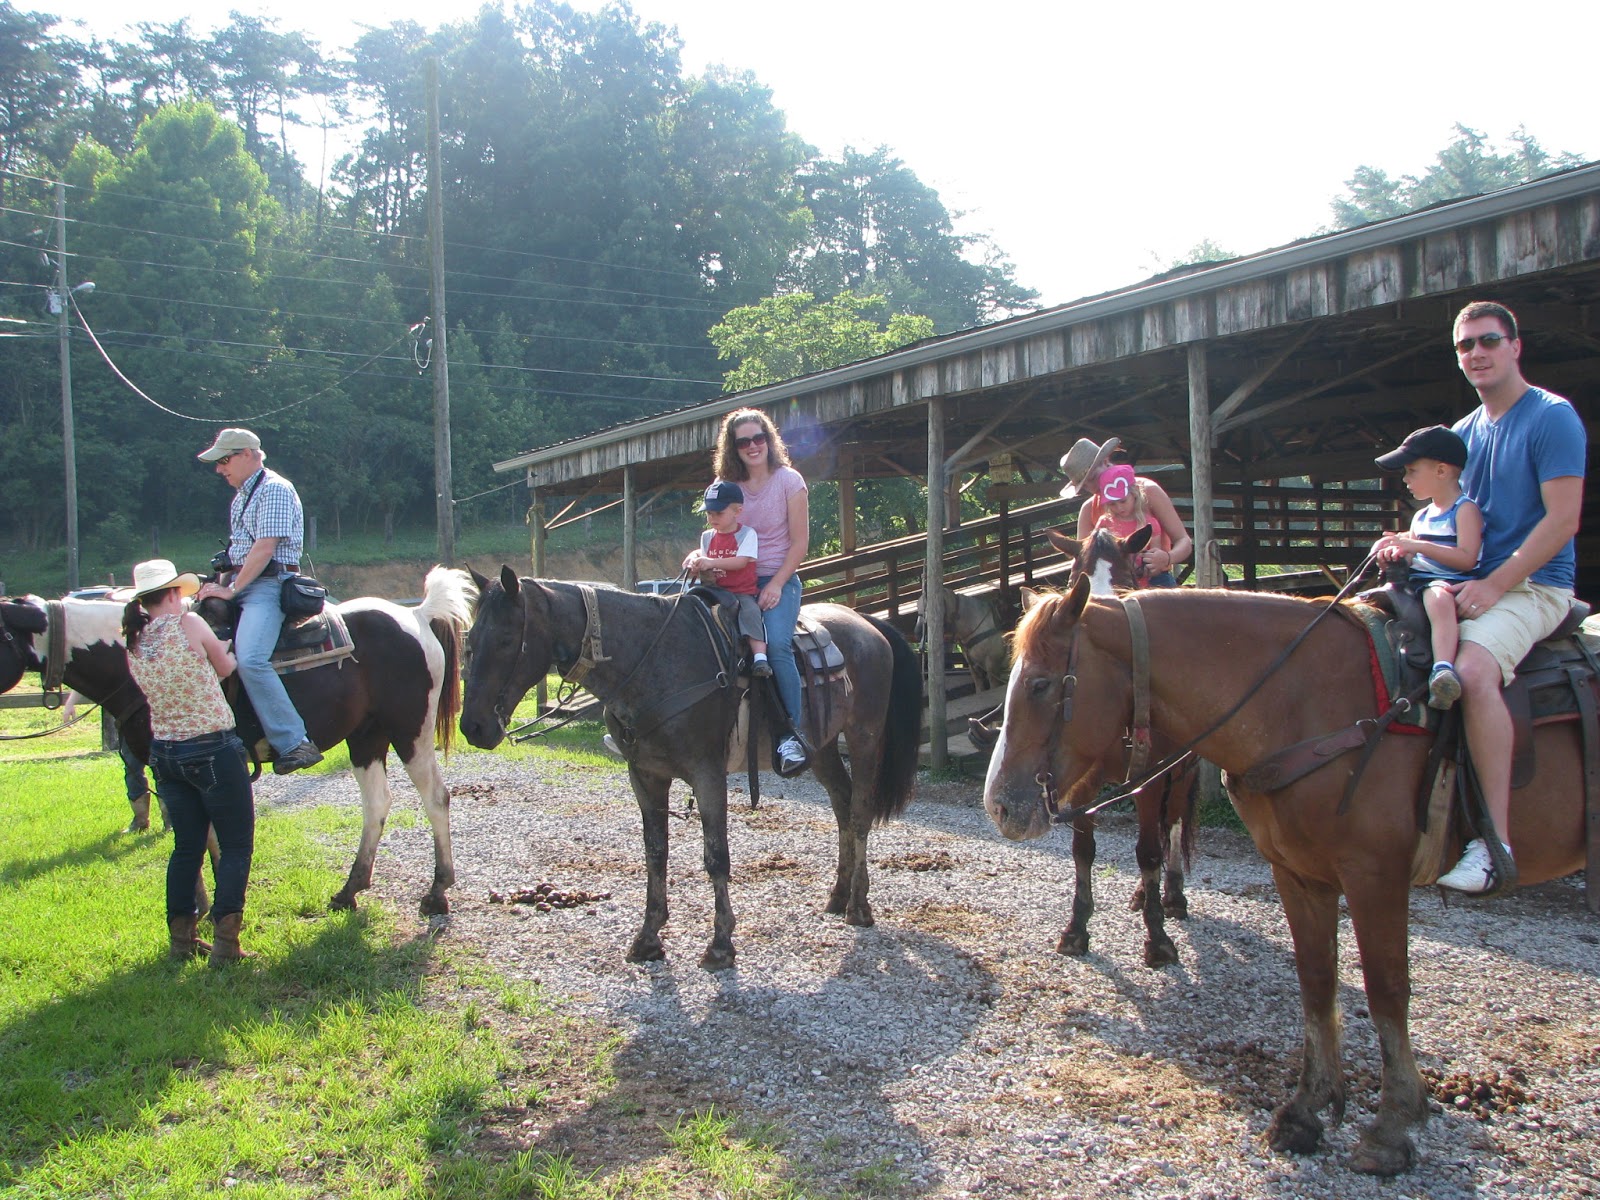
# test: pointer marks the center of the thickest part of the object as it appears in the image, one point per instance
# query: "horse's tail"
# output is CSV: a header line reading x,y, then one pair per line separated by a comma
x,y
446,609
897,773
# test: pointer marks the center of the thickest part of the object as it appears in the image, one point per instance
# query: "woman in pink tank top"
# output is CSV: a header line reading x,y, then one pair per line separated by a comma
x,y
1124,503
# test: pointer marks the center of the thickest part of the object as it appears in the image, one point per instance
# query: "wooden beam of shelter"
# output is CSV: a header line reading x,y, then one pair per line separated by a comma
x,y
1247,389
1255,414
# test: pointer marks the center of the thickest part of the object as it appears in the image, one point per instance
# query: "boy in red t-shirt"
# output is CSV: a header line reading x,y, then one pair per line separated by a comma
x,y
728,553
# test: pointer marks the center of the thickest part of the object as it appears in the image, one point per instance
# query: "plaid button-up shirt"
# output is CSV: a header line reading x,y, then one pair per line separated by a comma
x,y
266,506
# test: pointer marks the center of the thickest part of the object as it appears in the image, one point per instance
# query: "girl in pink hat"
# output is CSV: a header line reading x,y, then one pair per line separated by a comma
x,y
1124,503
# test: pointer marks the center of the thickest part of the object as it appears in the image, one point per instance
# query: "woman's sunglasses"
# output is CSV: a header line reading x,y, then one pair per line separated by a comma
x,y
1488,341
755,439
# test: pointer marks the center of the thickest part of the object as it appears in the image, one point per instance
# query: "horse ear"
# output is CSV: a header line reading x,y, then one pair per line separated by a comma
x,y
1077,597
1031,598
508,580
1070,546
481,581
1138,539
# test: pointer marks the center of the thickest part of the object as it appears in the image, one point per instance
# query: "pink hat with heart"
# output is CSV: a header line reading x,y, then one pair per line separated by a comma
x,y
1116,483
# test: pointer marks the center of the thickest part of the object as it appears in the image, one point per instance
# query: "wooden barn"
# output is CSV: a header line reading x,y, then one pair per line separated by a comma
x,y
1260,389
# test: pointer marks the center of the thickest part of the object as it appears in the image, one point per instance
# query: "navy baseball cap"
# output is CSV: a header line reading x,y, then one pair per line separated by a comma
x,y
721,494
1436,441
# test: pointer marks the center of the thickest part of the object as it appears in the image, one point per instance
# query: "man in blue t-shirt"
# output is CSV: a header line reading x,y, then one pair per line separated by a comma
x,y
1526,456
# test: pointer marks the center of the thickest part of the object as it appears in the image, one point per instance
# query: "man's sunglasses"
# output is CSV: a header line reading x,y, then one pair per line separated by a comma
x,y
755,439
224,460
1488,341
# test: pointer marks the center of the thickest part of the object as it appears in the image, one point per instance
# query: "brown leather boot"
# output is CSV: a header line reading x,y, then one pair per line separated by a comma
x,y
225,945
181,940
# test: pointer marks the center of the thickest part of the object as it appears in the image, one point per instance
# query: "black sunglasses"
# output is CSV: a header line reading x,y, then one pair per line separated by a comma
x,y
1487,340
755,439
223,461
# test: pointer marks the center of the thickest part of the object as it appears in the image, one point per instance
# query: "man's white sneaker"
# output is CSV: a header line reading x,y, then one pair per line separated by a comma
x,y
1475,873
792,757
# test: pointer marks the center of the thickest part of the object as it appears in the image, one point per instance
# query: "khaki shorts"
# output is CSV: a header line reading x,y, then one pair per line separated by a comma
x,y
1526,614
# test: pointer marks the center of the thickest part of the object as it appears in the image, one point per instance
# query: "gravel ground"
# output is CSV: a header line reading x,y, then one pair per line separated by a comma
x,y
950,1048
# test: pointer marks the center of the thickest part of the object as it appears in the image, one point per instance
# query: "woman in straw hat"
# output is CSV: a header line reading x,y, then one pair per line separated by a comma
x,y
1124,503
197,757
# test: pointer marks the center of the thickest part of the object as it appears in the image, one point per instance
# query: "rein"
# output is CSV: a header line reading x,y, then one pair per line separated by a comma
x,y
1142,684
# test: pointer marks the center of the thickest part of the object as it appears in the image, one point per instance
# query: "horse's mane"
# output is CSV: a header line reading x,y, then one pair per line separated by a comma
x,y
1032,630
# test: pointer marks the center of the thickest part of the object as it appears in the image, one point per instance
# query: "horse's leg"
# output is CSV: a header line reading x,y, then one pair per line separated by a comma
x,y
1313,912
1380,913
711,797
853,815
1174,902
1075,937
651,791
1158,948
429,781
367,763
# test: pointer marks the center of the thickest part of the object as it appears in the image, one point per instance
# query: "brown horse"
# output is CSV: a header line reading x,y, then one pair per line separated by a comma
x,y
1068,701
672,702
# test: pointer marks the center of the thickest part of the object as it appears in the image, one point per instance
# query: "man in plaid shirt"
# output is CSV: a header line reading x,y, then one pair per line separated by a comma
x,y
266,530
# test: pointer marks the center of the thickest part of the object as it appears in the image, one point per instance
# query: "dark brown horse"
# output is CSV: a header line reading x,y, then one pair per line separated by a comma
x,y
400,688
1164,807
1068,702
671,704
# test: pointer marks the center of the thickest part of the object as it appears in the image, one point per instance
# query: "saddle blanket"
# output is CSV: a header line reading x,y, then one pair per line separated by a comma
x,y
314,642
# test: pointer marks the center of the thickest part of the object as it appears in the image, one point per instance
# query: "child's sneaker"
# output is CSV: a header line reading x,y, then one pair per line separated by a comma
x,y
1475,873
1444,686
761,669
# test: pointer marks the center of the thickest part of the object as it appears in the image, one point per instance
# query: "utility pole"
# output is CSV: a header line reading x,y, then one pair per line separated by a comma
x,y
64,325
444,505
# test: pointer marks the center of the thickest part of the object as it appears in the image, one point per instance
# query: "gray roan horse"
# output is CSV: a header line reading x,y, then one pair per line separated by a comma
x,y
400,689
977,630
672,707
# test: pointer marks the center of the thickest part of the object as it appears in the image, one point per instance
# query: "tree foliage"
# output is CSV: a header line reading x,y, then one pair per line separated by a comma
x,y
1469,165
782,337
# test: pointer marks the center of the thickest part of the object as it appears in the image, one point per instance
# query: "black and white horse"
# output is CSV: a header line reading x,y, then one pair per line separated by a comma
x,y
400,688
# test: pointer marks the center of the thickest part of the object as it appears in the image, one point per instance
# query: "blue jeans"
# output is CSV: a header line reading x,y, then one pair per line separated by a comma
x,y
1165,579
204,783
132,770
260,622
779,621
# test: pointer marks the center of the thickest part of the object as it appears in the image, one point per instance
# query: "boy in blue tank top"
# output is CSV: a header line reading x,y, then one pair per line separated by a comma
x,y
1444,544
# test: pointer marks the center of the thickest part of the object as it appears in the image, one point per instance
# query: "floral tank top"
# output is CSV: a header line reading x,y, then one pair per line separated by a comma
x,y
185,698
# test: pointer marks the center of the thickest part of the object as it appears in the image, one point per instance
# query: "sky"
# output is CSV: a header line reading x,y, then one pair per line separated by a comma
x,y
1097,144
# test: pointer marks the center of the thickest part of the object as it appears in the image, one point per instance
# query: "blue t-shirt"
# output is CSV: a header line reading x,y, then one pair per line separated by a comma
x,y
1540,438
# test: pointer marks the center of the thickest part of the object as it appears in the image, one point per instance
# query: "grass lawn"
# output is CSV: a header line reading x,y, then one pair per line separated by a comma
x,y
347,1058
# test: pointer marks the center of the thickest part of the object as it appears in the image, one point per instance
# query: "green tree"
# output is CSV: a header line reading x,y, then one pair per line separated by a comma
x,y
786,336
1467,166
36,78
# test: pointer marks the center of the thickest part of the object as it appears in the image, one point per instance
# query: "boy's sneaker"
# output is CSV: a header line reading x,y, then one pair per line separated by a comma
x,y
761,669
1444,686
1475,873
305,754
792,758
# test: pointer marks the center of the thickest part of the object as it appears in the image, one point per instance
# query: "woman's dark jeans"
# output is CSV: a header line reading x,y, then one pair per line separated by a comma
x,y
204,783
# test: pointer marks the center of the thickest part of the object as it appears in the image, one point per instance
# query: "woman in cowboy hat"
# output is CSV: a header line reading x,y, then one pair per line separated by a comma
x,y
197,757
1124,503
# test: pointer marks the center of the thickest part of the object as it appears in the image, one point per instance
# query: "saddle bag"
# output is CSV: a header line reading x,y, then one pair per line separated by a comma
x,y
301,596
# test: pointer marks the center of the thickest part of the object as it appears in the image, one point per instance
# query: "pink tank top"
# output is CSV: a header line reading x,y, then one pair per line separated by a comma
x,y
185,698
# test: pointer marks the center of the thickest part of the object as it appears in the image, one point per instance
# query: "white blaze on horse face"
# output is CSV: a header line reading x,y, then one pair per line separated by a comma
x,y
1100,580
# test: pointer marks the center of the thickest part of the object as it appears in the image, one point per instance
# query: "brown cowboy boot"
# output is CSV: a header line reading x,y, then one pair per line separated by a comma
x,y
141,814
182,942
225,943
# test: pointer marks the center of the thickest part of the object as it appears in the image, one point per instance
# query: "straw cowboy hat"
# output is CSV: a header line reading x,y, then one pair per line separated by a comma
x,y
157,575
1083,462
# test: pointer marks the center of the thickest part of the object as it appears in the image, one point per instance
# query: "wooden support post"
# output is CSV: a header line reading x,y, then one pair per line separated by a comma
x,y
1207,560
541,693
630,530
847,514
933,577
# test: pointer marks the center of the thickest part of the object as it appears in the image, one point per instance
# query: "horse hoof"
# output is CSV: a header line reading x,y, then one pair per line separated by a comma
x,y
432,905
137,827
1136,903
1294,1132
341,901
1160,954
835,908
1176,910
717,960
1075,944
861,918
643,951
1375,1156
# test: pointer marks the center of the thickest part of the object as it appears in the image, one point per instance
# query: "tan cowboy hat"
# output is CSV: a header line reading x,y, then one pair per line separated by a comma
x,y
1083,462
157,575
